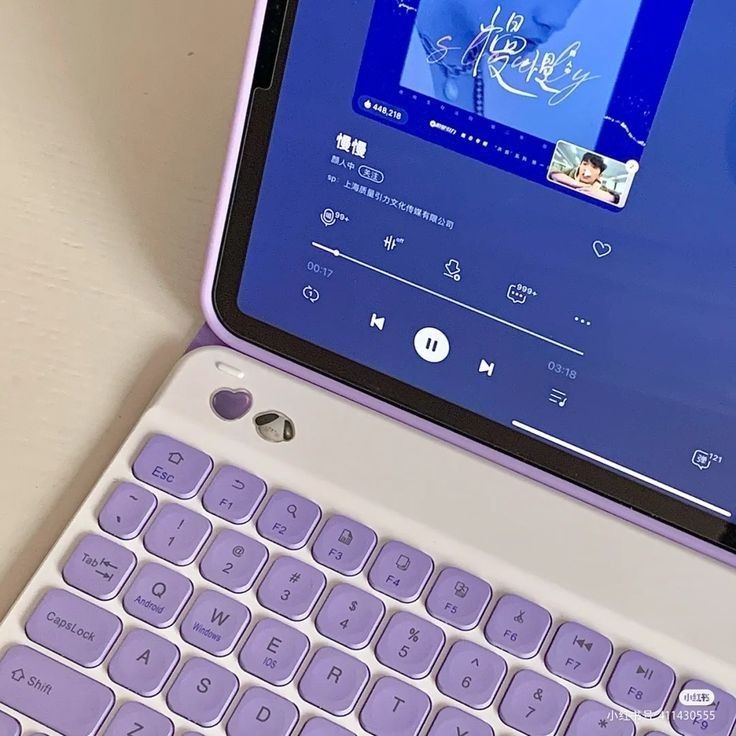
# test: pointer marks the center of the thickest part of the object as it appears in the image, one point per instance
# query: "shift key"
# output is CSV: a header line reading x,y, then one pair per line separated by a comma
x,y
51,693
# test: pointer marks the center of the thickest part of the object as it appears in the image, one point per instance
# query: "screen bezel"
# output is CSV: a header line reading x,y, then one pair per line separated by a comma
x,y
268,74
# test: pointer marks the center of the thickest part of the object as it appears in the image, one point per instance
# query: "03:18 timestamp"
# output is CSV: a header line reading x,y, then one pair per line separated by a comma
x,y
319,269
562,370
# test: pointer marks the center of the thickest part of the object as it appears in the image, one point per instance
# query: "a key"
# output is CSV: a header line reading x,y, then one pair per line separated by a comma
x,y
177,534
288,519
234,495
157,595
471,674
579,654
594,719
333,681
52,694
274,651
143,663
533,704
233,561
291,588
263,713
139,720
344,545
215,623
717,719
410,645
99,567
400,571
641,683
394,708
127,510
202,692
518,626
458,598
350,616
76,629
451,722
172,466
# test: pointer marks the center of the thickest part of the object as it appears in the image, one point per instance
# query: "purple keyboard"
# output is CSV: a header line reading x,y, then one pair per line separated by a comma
x,y
335,625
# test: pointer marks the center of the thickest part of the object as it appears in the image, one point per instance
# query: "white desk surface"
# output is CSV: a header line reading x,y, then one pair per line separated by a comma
x,y
113,125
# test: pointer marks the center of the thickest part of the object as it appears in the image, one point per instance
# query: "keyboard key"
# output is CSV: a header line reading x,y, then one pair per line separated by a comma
x,y
518,626
233,561
579,654
718,719
641,683
534,704
99,567
234,495
394,708
458,598
410,645
139,720
74,628
593,718
157,595
9,726
323,727
177,534
202,692
471,675
333,681
344,545
172,466
215,623
451,722
400,571
274,651
143,663
350,616
288,519
291,588
262,713
52,694
127,510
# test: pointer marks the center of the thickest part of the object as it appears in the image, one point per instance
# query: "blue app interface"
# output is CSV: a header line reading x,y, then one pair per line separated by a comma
x,y
524,208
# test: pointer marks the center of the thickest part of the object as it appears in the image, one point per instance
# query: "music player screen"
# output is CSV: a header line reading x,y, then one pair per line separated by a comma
x,y
525,208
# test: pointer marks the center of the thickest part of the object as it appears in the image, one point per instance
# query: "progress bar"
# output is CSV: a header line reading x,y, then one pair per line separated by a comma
x,y
620,468
339,254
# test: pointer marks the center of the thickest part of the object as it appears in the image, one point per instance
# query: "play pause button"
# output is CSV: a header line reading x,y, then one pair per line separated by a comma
x,y
431,345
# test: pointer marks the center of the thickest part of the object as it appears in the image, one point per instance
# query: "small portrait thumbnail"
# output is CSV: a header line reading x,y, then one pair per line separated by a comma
x,y
592,174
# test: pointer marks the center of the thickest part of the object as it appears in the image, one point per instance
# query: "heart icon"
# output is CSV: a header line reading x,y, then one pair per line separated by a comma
x,y
231,405
602,249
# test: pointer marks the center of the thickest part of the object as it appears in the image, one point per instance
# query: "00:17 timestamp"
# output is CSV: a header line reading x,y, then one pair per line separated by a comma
x,y
319,269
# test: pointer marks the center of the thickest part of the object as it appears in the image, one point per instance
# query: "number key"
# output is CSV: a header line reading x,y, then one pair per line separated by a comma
x,y
471,674
410,645
177,534
233,561
291,588
534,704
350,616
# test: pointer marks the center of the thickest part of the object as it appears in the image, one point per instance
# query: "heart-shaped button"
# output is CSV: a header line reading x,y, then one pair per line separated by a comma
x,y
230,404
602,249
